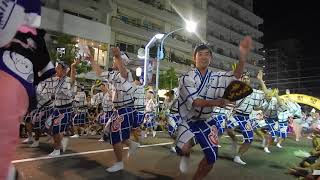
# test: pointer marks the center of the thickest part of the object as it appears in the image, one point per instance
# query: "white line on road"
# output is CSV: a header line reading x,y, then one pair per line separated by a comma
x,y
83,153
87,152
236,135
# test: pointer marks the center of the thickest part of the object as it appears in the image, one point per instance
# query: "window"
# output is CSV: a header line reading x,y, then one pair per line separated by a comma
x,y
123,47
130,48
219,50
77,14
125,19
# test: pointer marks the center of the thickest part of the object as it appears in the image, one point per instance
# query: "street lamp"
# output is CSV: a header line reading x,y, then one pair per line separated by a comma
x,y
190,26
146,55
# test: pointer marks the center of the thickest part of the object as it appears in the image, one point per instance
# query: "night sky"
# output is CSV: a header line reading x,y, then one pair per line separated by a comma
x,y
291,19
300,20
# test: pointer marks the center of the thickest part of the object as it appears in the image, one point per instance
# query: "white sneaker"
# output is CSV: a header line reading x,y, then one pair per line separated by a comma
x,y
184,164
29,140
279,146
266,149
55,153
219,146
75,136
309,137
34,144
297,140
101,139
133,147
64,143
173,149
263,144
116,167
154,133
238,160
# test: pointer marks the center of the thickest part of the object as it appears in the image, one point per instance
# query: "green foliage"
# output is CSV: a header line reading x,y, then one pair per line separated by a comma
x,y
68,42
63,41
168,79
83,67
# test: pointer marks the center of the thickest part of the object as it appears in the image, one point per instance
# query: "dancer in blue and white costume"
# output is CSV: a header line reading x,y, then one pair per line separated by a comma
x,y
123,119
242,111
172,113
283,117
258,122
293,110
271,106
200,90
107,106
62,90
80,118
150,114
139,104
42,113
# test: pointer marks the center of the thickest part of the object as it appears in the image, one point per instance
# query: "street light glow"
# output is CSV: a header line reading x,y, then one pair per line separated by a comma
x,y
191,26
159,36
141,53
138,71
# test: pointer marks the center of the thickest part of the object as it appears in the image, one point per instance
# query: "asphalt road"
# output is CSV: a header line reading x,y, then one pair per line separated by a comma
x,y
86,158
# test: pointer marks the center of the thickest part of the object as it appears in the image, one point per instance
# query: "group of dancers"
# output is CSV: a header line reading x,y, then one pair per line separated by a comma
x,y
196,113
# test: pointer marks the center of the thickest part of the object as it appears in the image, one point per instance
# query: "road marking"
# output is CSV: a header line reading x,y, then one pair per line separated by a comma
x,y
89,152
236,135
83,153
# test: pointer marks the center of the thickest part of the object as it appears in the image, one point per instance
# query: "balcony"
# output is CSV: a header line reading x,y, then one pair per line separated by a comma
x,y
242,5
219,22
145,33
243,9
230,31
148,8
73,25
235,13
216,9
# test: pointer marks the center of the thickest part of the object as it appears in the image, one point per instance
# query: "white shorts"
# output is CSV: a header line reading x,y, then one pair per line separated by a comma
x,y
183,134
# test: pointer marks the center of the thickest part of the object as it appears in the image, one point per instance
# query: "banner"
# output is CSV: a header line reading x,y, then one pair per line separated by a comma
x,y
304,99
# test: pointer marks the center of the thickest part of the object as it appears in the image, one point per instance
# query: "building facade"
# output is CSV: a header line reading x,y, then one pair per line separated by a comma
x,y
85,20
228,22
135,22
129,24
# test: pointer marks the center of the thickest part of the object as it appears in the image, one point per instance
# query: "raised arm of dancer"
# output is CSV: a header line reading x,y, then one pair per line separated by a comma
x,y
119,63
73,71
263,85
244,48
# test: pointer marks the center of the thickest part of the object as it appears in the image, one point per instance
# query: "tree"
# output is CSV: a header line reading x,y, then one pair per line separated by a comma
x,y
70,52
168,79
